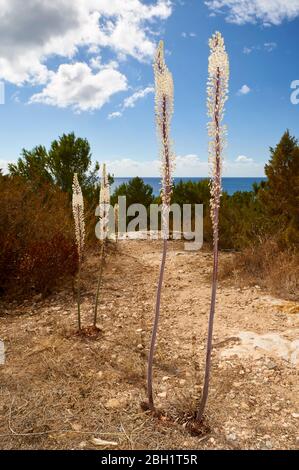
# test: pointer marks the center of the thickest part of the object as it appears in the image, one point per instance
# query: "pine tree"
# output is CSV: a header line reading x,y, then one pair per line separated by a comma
x,y
280,194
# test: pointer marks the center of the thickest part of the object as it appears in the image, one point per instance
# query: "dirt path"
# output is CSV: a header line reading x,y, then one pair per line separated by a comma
x,y
54,381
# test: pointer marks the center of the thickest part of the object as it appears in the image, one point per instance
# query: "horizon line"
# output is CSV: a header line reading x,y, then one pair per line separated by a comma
x,y
191,177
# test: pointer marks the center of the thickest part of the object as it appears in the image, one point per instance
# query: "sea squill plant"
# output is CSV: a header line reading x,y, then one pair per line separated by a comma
x,y
104,205
78,212
217,97
164,110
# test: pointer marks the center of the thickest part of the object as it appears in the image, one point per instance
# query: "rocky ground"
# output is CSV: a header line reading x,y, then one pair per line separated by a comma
x,y
60,390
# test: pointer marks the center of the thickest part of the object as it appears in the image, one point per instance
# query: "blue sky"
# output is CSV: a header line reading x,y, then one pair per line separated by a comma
x,y
85,66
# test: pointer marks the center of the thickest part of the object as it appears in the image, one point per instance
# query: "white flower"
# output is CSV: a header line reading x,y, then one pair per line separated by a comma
x,y
217,96
104,203
164,110
78,212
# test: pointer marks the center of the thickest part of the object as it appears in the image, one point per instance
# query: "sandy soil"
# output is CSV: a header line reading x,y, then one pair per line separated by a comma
x,y
60,391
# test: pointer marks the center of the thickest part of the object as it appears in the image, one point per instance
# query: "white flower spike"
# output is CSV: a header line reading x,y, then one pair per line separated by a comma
x,y
164,111
78,212
217,96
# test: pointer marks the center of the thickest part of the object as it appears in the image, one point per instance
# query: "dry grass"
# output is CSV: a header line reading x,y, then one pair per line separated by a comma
x,y
266,265
59,390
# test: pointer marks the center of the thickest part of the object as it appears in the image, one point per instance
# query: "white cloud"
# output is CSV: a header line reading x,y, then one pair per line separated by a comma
x,y
190,35
114,115
191,165
96,64
186,166
269,12
270,46
77,86
244,90
244,159
243,166
267,46
129,167
35,31
131,101
248,50
4,166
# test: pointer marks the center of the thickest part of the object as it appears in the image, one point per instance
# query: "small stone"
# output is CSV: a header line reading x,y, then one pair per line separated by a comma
x,y
100,442
76,426
113,403
165,378
295,415
269,444
271,365
275,407
139,346
244,406
231,437
162,394
100,374
237,384
182,382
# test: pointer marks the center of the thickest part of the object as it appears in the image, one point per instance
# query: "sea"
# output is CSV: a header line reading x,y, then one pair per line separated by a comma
x,y
230,185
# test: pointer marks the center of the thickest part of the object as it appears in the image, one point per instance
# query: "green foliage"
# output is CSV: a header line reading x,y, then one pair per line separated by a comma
x,y
190,192
280,194
32,166
66,156
136,192
69,155
36,225
241,221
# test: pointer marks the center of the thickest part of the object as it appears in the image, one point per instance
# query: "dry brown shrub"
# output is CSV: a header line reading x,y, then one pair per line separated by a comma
x,y
36,242
267,265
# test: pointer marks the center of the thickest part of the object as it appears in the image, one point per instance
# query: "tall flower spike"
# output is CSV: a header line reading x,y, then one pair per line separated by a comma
x,y
104,203
78,212
217,96
164,112
104,225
